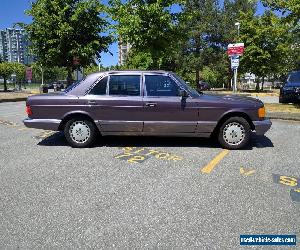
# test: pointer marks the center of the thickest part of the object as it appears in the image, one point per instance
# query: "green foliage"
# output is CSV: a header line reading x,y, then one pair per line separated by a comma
x,y
6,70
148,26
211,76
139,60
291,8
50,74
64,29
268,47
19,69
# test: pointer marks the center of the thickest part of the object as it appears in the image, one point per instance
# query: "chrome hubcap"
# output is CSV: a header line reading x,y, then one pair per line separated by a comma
x,y
234,133
79,131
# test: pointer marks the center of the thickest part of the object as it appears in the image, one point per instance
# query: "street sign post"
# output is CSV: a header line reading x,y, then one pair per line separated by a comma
x,y
234,51
235,62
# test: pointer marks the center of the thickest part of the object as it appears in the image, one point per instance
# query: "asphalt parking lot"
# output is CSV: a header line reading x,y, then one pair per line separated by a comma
x,y
139,192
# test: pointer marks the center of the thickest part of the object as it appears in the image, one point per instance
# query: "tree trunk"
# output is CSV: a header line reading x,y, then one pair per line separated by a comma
x,y
197,77
198,48
5,85
257,86
69,77
263,82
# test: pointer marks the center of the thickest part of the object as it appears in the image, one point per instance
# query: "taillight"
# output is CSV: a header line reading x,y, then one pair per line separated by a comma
x,y
28,110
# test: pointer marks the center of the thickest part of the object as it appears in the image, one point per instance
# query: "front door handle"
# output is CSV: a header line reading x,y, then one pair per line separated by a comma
x,y
91,102
151,104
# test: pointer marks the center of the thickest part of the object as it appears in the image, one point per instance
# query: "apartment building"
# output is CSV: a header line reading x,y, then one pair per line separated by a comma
x,y
14,46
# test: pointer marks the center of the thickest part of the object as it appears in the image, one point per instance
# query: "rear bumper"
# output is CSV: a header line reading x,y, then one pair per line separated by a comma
x,y
261,127
47,124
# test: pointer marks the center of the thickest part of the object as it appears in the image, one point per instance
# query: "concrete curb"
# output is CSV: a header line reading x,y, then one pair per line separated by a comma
x,y
284,116
19,99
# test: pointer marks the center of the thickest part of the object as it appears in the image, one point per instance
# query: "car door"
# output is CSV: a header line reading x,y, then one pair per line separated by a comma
x,y
165,111
116,103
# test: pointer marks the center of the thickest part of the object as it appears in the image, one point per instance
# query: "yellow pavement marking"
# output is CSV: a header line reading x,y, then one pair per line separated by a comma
x,y
246,172
214,162
21,129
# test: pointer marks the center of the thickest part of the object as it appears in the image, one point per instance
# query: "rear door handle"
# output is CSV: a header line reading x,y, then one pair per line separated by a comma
x,y
92,102
151,104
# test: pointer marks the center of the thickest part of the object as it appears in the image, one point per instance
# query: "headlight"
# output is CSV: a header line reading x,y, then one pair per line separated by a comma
x,y
288,88
262,112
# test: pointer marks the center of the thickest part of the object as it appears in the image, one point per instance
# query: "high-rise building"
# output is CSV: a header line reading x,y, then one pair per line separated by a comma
x,y
14,45
123,51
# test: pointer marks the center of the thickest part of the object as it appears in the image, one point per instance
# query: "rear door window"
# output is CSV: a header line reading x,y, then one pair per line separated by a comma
x,y
126,85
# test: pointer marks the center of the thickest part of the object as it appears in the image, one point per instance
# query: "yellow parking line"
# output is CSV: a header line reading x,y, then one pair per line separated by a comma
x,y
21,129
214,162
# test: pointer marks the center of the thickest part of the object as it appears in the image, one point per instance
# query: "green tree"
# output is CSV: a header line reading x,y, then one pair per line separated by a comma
x,y
50,74
64,30
139,60
6,70
19,71
209,26
291,14
149,26
268,47
290,8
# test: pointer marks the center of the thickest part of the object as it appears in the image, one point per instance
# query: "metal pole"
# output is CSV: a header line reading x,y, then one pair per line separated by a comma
x,y
235,80
42,75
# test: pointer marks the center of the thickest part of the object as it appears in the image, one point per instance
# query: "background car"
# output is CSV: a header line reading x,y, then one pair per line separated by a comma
x,y
202,86
290,92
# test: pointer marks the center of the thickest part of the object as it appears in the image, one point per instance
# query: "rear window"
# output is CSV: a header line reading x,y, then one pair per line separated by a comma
x,y
72,86
100,87
124,85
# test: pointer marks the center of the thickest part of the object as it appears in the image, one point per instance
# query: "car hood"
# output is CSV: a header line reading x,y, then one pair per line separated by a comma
x,y
234,99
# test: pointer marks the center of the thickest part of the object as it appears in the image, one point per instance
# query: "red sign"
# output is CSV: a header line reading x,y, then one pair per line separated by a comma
x,y
76,60
29,74
236,49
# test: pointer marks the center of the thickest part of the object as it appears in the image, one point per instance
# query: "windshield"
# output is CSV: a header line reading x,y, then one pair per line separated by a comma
x,y
293,79
186,87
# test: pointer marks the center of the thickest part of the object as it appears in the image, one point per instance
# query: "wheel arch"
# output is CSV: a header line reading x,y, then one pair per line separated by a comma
x,y
72,115
226,116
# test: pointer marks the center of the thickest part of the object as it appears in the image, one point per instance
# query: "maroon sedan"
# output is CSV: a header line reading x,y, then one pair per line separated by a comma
x,y
154,103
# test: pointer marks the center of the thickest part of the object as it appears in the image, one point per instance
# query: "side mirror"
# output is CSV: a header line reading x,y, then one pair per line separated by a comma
x,y
183,93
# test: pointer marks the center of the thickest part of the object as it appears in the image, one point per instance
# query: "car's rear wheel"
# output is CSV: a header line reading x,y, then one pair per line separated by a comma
x,y
80,132
234,133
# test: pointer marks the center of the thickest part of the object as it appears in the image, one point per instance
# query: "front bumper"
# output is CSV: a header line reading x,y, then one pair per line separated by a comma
x,y
47,124
261,127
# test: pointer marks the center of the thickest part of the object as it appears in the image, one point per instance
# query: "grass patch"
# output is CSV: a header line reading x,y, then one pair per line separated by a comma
x,y
278,107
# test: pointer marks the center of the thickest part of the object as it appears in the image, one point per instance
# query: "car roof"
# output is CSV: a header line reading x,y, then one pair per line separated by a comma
x,y
136,71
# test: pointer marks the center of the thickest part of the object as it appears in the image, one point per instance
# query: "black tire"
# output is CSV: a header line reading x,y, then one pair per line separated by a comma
x,y
240,127
86,130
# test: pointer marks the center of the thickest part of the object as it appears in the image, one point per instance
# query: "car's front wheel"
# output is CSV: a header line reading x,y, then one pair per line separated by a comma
x,y
80,133
234,133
